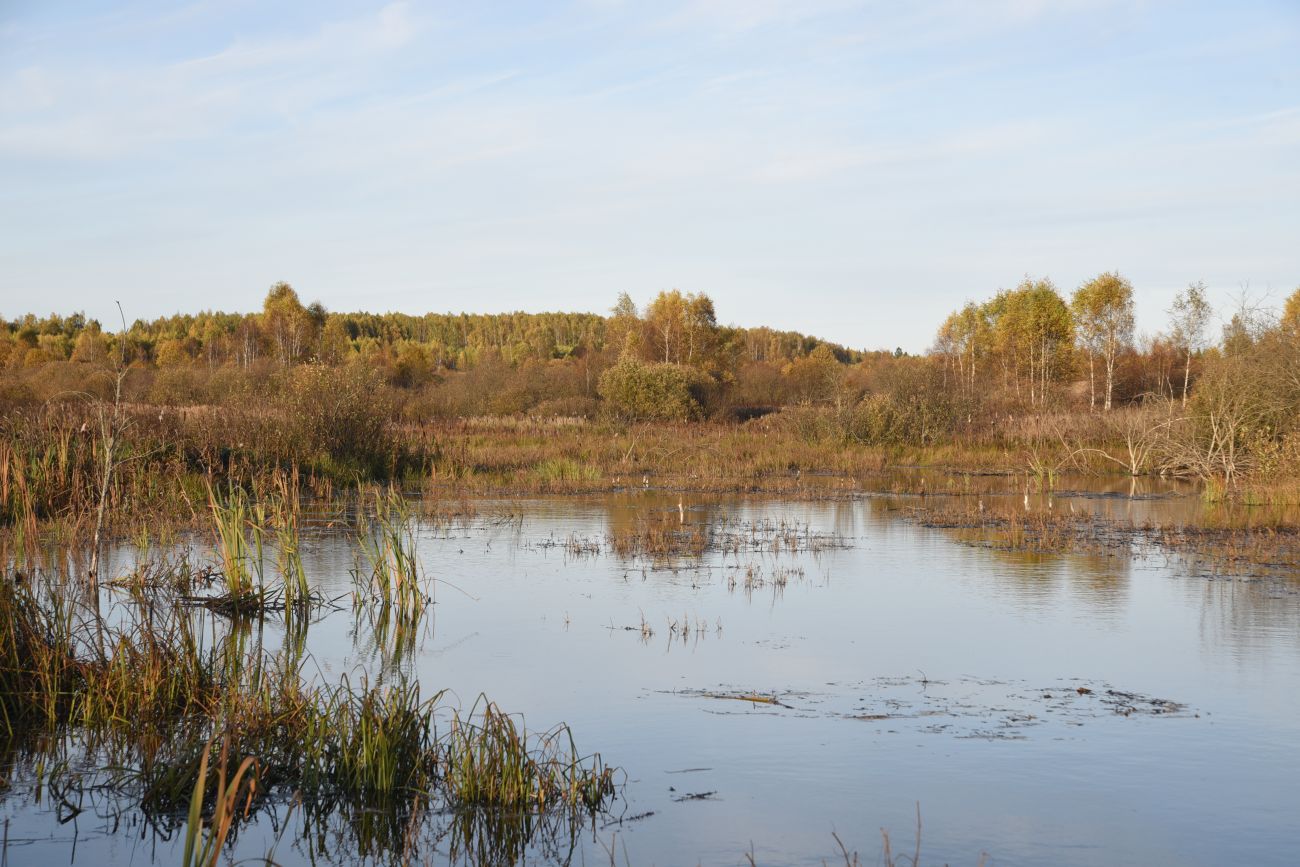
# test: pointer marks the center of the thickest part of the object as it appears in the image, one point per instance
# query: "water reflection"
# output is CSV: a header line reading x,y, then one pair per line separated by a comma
x,y
1248,617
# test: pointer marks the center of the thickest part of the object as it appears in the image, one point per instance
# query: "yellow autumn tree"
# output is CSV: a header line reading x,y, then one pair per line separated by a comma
x,y
1103,318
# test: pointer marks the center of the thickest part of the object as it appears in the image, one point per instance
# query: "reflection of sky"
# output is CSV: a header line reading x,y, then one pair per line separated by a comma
x,y
541,633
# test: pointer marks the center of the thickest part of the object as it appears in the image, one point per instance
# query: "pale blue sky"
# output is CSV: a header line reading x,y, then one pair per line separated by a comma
x,y
849,169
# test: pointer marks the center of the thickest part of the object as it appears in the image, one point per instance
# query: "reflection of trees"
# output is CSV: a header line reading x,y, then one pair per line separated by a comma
x,y
844,515
1044,551
1249,616
661,526
1097,580
1035,552
1101,582
1135,499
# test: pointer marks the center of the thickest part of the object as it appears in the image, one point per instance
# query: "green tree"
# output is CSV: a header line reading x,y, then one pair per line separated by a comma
x,y
662,391
701,330
91,346
623,330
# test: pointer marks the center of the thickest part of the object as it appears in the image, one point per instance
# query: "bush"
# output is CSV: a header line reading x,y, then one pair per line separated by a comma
x,y
652,392
910,407
337,418
178,386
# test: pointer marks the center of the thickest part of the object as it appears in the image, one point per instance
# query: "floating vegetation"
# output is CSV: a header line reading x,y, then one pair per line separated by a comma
x,y
582,546
741,695
167,572
679,630
668,537
645,629
967,707
695,796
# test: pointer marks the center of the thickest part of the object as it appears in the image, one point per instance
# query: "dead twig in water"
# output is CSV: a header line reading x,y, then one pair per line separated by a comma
x,y
696,796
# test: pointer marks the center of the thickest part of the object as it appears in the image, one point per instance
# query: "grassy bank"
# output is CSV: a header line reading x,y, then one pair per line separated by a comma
x,y
72,474
52,460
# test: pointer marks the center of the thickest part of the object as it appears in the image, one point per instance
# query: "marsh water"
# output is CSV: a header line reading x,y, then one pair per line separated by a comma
x,y
823,667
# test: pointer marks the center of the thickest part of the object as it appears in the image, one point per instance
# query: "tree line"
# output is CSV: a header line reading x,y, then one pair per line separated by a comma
x,y
1028,338
445,364
1028,350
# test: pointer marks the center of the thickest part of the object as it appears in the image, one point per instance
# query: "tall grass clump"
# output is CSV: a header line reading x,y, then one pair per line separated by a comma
x,y
375,745
281,511
205,840
240,552
371,758
489,762
243,527
563,470
389,578
62,664
41,678
297,593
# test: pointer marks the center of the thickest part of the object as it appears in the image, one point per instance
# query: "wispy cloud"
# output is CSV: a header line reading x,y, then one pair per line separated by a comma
x,y
334,42
742,15
88,111
749,148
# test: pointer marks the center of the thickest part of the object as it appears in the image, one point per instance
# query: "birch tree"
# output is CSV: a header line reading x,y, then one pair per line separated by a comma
x,y
1103,316
1191,316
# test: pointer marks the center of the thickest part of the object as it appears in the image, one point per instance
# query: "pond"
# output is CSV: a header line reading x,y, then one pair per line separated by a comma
x,y
768,674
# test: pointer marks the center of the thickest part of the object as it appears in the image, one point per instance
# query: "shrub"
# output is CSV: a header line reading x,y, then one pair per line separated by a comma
x,y
337,417
659,392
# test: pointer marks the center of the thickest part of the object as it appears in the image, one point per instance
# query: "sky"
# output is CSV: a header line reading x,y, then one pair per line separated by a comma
x,y
853,170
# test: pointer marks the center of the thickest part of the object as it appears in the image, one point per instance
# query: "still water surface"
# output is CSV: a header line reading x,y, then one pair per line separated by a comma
x,y
909,669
